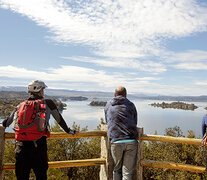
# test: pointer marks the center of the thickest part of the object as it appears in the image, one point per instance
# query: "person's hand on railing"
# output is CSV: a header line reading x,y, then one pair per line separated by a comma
x,y
4,123
72,131
205,141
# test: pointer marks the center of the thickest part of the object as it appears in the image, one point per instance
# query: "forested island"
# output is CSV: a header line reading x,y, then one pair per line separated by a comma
x,y
74,98
97,103
175,105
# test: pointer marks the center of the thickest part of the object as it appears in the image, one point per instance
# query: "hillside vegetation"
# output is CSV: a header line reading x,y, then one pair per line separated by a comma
x,y
13,95
85,148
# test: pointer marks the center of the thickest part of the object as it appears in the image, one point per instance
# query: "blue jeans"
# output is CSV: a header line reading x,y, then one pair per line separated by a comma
x,y
125,158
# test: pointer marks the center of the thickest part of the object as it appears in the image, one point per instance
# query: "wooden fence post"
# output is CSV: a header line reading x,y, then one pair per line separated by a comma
x,y
2,146
140,155
106,171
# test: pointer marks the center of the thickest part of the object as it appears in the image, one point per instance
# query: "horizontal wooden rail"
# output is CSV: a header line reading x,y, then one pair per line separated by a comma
x,y
64,164
63,135
170,165
170,139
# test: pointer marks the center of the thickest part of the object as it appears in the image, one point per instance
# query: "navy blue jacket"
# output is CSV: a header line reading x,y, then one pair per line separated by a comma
x,y
204,124
121,118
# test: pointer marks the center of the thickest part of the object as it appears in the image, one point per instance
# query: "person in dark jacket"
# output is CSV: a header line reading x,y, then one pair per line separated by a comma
x,y
32,154
203,128
121,118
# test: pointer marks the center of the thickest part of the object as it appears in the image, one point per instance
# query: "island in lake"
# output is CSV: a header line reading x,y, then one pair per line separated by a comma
x,y
175,105
97,103
75,98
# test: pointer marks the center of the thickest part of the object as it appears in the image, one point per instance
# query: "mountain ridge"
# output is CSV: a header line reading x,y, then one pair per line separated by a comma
x,y
61,93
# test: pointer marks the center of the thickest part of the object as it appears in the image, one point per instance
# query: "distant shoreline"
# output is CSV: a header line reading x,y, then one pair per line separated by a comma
x,y
65,93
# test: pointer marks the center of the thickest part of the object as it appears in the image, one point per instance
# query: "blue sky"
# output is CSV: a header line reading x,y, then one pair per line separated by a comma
x,y
152,47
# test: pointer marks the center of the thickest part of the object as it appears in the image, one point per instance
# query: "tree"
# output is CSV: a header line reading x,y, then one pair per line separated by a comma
x,y
61,150
178,153
74,149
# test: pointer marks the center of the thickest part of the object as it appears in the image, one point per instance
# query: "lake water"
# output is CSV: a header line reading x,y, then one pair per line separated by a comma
x,y
151,118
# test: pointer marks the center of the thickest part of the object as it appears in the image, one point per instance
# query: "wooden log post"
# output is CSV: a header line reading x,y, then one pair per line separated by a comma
x,y
106,170
2,146
140,155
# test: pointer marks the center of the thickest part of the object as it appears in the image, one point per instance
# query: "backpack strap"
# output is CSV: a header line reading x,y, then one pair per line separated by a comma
x,y
25,113
42,119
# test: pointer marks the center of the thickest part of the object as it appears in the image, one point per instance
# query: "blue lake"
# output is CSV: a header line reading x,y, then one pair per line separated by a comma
x,y
151,118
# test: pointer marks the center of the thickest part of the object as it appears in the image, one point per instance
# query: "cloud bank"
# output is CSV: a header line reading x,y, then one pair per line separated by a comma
x,y
126,40
80,78
115,28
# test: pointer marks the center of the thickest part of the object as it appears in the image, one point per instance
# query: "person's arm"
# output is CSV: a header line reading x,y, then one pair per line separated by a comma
x,y
6,122
203,126
135,115
58,117
105,115
105,112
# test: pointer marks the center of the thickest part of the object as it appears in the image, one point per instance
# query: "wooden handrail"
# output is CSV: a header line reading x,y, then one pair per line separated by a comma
x,y
170,139
64,164
99,133
100,161
63,135
171,165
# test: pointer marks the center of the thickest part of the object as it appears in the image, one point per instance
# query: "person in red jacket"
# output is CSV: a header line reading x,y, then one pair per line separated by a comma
x,y
31,125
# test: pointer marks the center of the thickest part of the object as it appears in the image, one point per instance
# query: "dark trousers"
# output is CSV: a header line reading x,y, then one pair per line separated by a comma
x,y
31,155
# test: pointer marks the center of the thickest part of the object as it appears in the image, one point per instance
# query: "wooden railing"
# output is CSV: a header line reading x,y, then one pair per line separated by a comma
x,y
105,160
170,165
55,164
159,164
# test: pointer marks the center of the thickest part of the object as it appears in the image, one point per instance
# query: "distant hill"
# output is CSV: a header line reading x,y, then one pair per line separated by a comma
x,y
13,95
63,93
176,98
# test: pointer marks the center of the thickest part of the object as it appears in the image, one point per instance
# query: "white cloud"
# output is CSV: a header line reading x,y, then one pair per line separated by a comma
x,y
187,60
79,78
191,66
185,89
187,56
14,72
71,74
126,63
201,83
115,28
